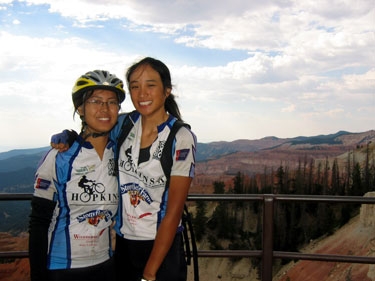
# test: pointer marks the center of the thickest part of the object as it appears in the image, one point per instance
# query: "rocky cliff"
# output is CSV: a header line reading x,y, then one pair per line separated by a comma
x,y
355,238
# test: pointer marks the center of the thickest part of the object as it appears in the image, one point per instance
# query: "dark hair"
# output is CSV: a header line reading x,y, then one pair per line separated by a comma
x,y
84,97
170,104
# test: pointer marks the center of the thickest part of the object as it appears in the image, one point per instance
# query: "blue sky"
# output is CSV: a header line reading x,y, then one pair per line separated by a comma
x,y
241,69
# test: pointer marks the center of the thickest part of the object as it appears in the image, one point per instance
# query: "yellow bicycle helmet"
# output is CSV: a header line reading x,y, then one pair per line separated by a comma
x,y
97,79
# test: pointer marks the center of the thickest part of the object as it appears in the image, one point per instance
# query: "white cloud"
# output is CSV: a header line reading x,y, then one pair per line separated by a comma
x,y
37,81
289,108
309,64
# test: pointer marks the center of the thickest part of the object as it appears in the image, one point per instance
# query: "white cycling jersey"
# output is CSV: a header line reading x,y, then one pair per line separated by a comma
x,y
144,194
86,191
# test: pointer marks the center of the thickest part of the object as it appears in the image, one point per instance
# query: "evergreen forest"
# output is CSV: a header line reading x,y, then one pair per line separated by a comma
x,y
237,225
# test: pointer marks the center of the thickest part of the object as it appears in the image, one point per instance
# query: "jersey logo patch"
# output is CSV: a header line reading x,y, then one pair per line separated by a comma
x,y
159,150
182,154
42,183
95,216
111,167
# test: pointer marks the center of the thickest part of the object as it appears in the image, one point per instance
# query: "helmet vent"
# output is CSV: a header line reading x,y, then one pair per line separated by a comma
x,y
81,83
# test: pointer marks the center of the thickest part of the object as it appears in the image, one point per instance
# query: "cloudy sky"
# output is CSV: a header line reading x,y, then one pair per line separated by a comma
x,y
242,69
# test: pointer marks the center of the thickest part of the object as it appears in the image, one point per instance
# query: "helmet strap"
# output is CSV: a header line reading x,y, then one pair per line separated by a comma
x,y
85,132
96,135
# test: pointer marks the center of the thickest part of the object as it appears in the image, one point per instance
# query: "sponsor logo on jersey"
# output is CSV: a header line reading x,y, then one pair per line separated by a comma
x,y
95,216
144,215
128,167
85,170
159,150
182,154
42,183
136,194
111,167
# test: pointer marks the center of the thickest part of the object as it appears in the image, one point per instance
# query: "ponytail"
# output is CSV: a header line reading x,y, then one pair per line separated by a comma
x,y
171,107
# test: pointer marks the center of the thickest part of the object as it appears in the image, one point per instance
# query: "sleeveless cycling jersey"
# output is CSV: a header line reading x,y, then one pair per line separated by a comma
x,y
85,189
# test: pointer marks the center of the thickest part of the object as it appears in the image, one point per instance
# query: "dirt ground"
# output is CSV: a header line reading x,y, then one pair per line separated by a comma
x,y
352,239
19,270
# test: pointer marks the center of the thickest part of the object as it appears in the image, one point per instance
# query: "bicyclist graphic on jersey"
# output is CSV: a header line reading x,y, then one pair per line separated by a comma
x,y
86,184
89,186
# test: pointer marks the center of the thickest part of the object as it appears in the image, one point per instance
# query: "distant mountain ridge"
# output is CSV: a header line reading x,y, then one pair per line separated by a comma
x,y
215,150
215,161
17,152
17,167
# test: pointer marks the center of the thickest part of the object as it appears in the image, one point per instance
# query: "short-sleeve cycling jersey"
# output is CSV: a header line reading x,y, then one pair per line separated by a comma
x,y
143,190
85,189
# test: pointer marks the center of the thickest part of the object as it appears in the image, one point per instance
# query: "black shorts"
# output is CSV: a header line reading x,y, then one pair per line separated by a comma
x,y
99,272
131,257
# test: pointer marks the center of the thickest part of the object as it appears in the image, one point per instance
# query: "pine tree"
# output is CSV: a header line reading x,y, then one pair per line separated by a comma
x,y
200,220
